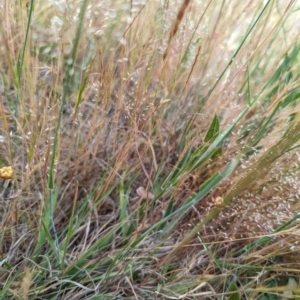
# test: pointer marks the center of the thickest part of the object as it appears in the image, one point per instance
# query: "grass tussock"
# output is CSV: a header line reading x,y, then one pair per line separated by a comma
x,y
149,150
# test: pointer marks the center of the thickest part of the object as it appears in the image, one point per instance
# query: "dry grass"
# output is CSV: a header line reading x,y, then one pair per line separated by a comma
x,y
114,142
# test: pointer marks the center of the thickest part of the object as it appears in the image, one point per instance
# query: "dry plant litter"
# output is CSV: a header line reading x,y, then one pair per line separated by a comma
x,y
149,149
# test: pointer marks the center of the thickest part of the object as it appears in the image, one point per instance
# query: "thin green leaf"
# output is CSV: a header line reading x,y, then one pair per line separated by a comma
x,y
213,130
234,288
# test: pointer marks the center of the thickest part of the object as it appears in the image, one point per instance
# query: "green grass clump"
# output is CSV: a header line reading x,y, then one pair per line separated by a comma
x,y
154,147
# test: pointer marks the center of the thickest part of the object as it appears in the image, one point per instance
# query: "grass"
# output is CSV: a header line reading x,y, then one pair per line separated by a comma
x,y
154,147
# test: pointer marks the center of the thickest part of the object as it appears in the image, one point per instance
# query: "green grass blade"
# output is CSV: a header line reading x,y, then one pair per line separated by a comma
x,y
213,130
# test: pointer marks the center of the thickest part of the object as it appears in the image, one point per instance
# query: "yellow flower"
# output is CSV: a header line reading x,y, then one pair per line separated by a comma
x,y
6,173
218,201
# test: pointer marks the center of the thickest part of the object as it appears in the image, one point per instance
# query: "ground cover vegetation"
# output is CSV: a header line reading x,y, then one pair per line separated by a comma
x,y
149,149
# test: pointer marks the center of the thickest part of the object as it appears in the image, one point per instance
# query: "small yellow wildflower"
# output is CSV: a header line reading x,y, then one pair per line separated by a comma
x,y
6,173
218,201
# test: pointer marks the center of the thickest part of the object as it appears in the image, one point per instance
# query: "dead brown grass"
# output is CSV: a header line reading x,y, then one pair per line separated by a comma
x,y
151,70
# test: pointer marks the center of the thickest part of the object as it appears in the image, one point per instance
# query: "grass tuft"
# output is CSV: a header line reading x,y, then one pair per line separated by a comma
x,y
149,150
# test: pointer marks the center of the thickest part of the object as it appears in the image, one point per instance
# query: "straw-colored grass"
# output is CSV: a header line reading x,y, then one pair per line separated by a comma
x,y
149,149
